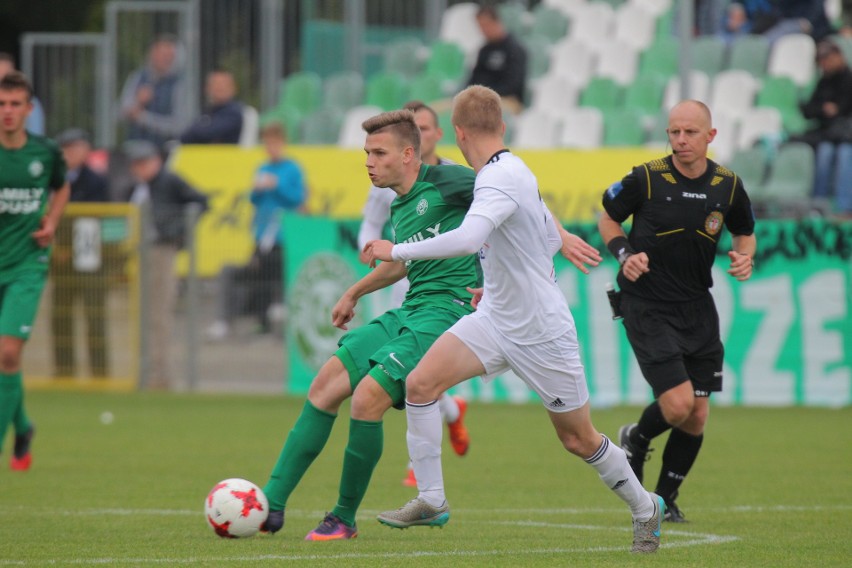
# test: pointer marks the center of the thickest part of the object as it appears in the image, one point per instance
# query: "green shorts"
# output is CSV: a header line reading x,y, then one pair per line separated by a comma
x,y
391,345
19,298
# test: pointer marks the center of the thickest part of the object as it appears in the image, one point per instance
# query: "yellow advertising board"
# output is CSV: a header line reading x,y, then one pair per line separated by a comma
x,y
571,182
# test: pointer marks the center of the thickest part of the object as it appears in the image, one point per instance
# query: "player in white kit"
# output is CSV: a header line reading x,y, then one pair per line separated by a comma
x,y
522,323
375,215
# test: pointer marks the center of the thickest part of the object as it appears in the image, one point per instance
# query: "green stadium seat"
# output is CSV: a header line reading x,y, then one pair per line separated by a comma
x,y
623,127
665,24
301,91
549,23
602,93
662,58
290,117
514,14
446,60
403,56
387,91
538,56
791,174
645,95
445,121
427,88
750,164
322,126
343,90
783,94
750,53
656,130
708,55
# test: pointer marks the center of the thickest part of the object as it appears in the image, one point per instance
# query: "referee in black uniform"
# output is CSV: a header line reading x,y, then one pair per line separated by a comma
x,y
679,205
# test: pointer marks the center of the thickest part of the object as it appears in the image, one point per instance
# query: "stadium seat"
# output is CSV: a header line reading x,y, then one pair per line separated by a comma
x,y
750,165
538,56
427,88
554,94
602,93
388,91
645,95
535,128
733,92
655,7
515,18
582,128
446,60
635,26
573,60
708,55
783,94
757,124
250,128
592,23
661,58
845,45
322,126
655,130
404,56
458,25
724,145
351,133
343,90
699,89
302,91
791,174
567,7
617,61
750,53
549,23
290,117
793,56
623,127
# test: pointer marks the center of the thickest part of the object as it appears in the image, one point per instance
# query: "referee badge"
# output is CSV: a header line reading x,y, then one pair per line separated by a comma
x,y
713,222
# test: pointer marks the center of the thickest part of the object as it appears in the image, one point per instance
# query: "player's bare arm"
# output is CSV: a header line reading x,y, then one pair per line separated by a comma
x,y
580,253
633,265
742,256
378,250
386,274
47,228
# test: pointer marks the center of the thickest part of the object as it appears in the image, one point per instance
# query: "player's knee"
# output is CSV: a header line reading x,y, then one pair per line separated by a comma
x,y
329,389
10,360
418,388
676,411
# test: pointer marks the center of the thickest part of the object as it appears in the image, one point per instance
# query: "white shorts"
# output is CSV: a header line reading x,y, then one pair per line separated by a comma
x,y
552,369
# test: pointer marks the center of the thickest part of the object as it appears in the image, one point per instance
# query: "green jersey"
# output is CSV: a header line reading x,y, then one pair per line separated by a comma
x,y
27,175
437,203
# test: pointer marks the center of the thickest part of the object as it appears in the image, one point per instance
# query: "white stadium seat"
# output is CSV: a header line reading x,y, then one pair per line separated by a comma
x,y
793,56
554,94
535,128
699,89
458,25
250,128
582,127
733,92
760,122
655,7
567,7
635,26
618,61
351,133
572,60
593,23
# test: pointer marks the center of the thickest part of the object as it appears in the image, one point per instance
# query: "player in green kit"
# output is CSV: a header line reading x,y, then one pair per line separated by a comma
x,y
372,361
33,193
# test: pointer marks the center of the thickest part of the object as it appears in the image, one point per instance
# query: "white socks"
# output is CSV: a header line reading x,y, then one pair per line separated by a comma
x,y
610,461
425,429
449,408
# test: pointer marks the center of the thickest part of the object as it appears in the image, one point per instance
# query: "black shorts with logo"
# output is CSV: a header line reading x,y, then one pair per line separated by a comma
x,y
675,342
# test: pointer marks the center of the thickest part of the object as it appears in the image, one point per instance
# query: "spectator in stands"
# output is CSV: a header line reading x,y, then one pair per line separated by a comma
x,y
35,121
278,186
222,120
77,265
786,17
736,23
166,196
830,106
153,100
502,61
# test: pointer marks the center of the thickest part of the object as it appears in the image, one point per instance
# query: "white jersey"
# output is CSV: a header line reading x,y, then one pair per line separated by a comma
x,y
521,296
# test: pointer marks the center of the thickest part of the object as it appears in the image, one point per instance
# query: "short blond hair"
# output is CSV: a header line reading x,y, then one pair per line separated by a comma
x,y
400,123
478,109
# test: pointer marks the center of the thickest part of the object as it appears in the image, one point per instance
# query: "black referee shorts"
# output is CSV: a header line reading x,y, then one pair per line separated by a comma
x,y
675,342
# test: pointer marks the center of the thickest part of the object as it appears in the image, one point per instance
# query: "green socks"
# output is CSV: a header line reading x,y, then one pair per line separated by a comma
x,y
362,454
304,443
11,402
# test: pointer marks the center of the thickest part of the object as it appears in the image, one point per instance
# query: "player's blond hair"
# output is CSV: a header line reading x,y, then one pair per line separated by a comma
x,y
477,109
400,123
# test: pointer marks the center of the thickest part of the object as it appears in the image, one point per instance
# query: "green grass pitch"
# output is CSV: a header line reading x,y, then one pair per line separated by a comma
x,y
772,487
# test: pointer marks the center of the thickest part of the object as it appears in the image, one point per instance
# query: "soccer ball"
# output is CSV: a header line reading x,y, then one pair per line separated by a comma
x,y
236,508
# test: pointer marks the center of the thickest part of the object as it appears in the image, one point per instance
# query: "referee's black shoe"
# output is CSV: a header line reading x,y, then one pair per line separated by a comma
x,y
673,512
636,456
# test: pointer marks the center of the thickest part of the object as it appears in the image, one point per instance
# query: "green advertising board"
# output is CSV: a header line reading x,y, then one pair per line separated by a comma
x,y
787,331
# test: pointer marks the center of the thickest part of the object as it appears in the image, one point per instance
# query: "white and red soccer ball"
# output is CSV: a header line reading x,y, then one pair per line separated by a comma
x,y
236,508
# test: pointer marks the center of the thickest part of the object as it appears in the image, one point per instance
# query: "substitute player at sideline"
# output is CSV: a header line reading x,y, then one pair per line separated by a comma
x,y
373,360
521,323
679,205
376,215
33,194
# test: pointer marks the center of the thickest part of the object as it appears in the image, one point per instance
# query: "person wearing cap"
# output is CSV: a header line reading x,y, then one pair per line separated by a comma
x,y
166,197
830,106
77,270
